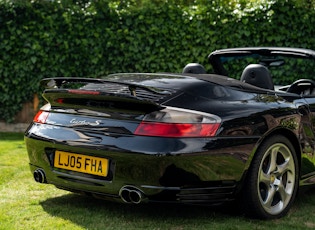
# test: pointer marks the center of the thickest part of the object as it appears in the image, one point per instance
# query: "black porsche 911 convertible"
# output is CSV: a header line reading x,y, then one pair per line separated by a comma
x,y
243,133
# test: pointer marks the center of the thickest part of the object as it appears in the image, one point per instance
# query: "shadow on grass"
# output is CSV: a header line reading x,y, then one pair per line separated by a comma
x,y
76,208
91,213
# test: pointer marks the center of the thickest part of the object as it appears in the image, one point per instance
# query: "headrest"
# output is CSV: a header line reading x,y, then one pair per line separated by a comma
x,y
195,68
257,75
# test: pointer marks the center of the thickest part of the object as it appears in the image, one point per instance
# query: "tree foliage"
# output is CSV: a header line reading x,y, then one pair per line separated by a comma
x,y
72,38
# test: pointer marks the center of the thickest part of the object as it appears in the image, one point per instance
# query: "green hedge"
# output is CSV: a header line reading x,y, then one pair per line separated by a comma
x,y
47,38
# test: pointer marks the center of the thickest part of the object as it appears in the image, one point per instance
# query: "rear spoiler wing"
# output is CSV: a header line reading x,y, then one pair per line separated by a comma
x,y
144,98
57,83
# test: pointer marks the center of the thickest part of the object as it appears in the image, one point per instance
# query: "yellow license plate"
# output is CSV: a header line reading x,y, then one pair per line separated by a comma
x,y
81,163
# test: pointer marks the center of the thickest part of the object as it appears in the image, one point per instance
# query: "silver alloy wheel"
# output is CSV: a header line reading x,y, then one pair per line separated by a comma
x,y
276,178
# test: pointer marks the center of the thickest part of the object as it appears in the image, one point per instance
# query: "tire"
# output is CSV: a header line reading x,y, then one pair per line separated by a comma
x,y
272,180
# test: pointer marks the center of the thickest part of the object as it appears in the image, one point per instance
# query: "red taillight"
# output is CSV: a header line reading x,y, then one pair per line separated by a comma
x,y
176,130
176,122
41,117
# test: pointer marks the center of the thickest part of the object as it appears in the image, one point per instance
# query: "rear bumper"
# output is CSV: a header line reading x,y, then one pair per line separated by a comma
x,y
210,174
214,193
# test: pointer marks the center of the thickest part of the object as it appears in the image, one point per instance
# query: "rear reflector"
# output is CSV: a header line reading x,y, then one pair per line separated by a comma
x,y
176,130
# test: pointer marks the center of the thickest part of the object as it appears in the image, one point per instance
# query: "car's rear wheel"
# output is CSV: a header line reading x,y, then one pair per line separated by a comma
x,y
272,180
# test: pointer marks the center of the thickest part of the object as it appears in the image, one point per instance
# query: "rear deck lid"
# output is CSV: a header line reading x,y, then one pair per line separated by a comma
x,y
126,91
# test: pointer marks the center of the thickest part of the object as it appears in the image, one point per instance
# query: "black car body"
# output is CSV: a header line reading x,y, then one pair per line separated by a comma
x,y
189,138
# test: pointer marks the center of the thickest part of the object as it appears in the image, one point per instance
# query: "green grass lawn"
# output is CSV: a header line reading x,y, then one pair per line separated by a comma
x,y
25,204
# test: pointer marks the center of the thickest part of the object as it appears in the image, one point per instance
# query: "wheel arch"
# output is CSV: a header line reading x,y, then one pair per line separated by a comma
x,y
291,136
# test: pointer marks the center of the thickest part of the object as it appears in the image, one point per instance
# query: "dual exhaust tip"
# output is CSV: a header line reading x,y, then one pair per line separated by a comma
x,y
131,194
128,193
40,176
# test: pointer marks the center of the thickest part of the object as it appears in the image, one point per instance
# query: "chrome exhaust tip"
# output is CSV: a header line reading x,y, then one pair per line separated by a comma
x,y
131,194
39,176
